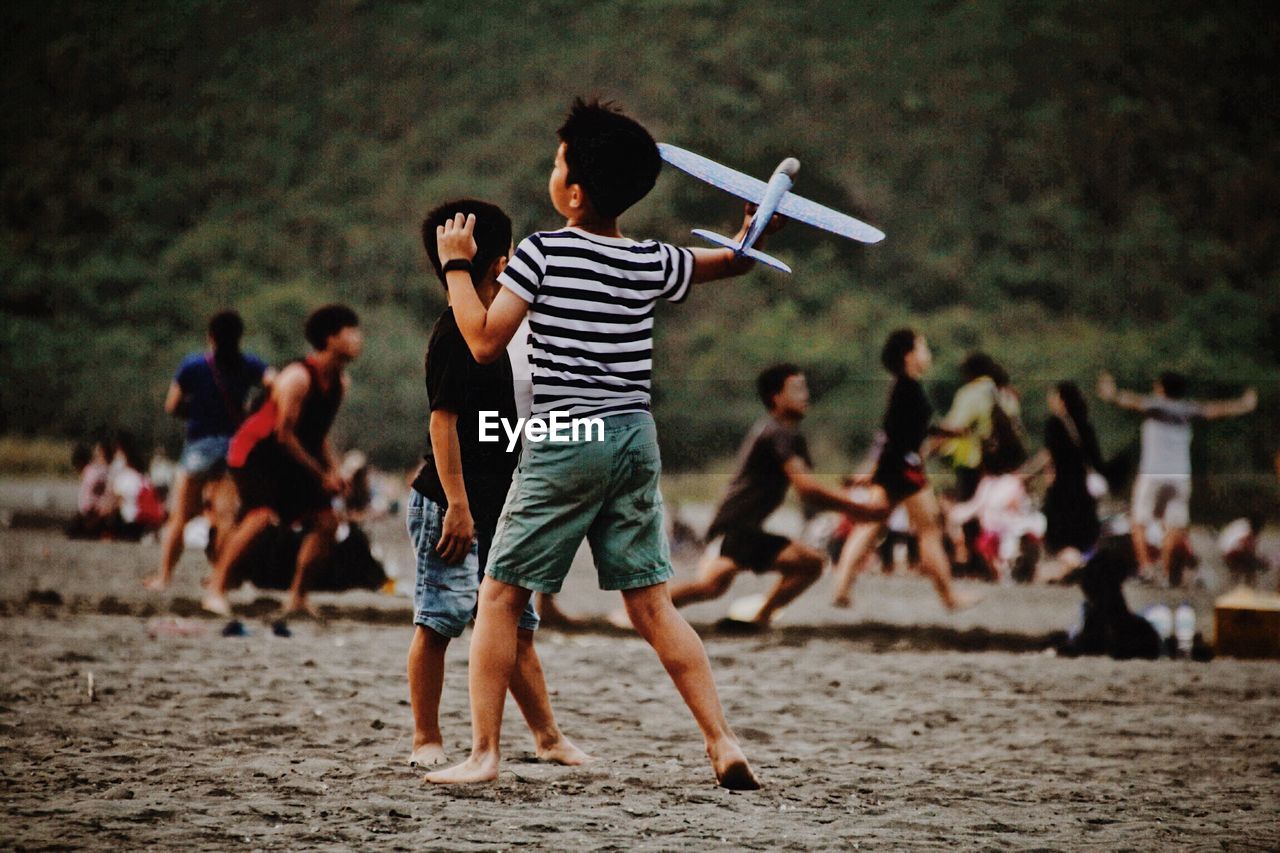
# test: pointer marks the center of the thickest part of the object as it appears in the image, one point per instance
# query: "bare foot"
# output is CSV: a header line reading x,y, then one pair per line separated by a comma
x,y
843,602
731,767
563,752
427,755
156,583
216,604
620,619
551,614
963,601
301,608
482,768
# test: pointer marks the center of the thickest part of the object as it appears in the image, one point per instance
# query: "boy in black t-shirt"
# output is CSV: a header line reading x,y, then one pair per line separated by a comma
x,y
774,457
456,499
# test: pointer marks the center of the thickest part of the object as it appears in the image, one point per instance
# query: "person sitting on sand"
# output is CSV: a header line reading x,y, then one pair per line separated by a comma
x,y
456,499
282,462
94,501
773,457
135,509
899,478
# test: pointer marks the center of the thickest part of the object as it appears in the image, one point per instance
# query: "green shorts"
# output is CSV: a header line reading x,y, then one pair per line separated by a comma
x,y
605,491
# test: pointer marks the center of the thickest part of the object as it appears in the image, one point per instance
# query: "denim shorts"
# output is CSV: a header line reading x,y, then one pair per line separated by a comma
x,y
206,455
603,491
444,596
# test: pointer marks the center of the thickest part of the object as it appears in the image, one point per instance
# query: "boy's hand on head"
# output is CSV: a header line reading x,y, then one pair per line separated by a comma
x,y
455,239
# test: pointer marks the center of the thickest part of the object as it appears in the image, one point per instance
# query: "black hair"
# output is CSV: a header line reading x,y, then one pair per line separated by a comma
x,y
978,364
609,154
225,330
771,380
327,321
1073,401
492,234
1173,384
1078,411
128,445
81,455
893,354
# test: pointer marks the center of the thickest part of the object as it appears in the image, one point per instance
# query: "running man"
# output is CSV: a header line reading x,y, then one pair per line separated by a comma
x,y
282,462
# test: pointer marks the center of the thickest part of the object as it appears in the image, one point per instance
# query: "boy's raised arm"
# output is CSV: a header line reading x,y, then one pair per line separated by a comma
x,y
1242,405
1109,393
487,331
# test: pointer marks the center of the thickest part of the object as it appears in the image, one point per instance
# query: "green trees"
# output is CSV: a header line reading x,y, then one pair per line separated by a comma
x,y
1066,185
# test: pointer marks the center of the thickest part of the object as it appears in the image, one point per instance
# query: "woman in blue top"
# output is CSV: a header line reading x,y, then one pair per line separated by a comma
x,y
209,391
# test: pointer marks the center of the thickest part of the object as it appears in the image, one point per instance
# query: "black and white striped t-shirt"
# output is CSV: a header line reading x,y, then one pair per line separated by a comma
x,y
591,316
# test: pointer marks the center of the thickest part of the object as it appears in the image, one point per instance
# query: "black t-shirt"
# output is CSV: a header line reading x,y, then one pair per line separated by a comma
x,y
906,423
761,483
457,383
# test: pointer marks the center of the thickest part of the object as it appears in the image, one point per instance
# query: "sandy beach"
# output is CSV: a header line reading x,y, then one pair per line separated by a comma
x,y
891,725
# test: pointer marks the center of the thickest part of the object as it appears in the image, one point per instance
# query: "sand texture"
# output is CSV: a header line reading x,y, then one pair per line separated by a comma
x,y
866,731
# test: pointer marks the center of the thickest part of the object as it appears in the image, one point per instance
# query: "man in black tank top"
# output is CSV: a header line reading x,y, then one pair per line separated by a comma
x,y
281,460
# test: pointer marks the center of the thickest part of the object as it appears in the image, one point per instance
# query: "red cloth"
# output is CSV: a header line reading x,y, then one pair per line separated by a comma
x,y
256,427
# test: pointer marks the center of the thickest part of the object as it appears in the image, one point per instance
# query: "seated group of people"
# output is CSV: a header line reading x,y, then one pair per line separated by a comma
x,y
117,499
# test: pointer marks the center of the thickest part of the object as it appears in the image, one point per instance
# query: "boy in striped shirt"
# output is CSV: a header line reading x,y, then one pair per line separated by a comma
x,y
589,294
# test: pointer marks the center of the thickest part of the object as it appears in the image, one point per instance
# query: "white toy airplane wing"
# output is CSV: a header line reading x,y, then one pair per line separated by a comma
x,y
827,219
729,180
752,190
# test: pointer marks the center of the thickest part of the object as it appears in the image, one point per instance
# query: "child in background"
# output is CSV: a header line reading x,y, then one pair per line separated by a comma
x,y
773,458
455,501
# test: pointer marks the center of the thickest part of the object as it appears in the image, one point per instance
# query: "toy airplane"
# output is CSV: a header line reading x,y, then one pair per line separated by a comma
x,y
773,197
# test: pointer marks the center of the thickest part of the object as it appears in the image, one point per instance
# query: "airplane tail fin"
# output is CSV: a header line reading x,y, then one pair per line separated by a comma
x,y
754,254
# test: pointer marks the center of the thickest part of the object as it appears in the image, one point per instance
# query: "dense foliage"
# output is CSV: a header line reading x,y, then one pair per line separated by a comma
x,y
1068,185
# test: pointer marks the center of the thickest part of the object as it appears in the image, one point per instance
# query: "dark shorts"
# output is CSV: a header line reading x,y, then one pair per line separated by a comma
x,y
900,481
270,479
444,595
752,548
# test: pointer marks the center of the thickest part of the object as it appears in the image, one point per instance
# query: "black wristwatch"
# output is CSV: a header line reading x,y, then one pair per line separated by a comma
x,y
463,264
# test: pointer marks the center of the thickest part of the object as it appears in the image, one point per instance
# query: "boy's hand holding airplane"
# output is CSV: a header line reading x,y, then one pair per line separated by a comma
x,y
776,222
